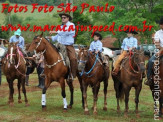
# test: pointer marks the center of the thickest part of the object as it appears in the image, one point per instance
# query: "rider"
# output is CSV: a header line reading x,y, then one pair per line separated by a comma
x,y
128,44
96,45
3,50
67,38
17,37
158,37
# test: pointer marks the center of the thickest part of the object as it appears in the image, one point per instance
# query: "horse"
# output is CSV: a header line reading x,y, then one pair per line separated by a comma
x,y
54,70
93,72
157,85
131,75
14,67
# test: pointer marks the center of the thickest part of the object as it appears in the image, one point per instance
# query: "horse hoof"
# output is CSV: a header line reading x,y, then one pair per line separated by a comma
x,y
19,101
137,116
70,106
11,104
65,110
126,115
43,108
105,108
95,113
27,104
86,112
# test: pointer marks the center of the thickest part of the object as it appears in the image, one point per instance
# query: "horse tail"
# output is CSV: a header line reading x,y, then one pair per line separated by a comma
x,y
121,92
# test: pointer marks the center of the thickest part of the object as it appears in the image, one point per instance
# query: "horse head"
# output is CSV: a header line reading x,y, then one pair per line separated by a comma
x,y
38,44
82,58
139,59
12,51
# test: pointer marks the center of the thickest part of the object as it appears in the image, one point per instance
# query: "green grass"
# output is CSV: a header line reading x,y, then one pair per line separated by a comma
x,y
54,105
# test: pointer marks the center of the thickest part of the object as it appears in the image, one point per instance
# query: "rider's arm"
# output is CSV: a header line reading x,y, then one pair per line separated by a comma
x,y
54,38
135,44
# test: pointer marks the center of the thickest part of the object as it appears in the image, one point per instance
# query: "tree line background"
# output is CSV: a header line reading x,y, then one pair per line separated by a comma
x,y
126,12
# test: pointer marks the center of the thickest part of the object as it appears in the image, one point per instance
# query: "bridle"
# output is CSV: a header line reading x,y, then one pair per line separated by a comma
x,y
55,63
39,43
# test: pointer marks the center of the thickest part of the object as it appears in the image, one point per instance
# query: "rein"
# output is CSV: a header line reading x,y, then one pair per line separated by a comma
x,y
83,72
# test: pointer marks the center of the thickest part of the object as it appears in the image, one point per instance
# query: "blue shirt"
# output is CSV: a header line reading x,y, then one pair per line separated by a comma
x,y
129,43
20,39
65,37
96,45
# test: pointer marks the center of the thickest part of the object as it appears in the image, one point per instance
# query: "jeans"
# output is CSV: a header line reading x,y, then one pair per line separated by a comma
x,y
39,71
150,65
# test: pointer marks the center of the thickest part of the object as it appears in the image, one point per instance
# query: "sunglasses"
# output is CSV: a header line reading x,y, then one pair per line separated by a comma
x,y
64,17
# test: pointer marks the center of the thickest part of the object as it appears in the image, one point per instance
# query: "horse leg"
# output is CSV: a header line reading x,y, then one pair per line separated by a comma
x,y
19,86
95,95
81,88
86,111
105,94
72,93
126,91
137,92
24,90
47,84
11,100
62,83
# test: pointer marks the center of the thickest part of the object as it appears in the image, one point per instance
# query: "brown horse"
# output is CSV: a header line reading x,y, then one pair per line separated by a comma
x,y
14,67
157,86
55,70
130,76
92,73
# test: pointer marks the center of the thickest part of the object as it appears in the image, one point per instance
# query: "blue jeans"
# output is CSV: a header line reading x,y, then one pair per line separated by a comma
x,y
150,65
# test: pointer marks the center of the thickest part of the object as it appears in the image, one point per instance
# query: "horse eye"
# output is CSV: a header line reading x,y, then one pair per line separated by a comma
x,y
36,42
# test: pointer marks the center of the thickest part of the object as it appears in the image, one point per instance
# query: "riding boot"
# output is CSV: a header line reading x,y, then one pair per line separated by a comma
x,y
148,82
115,71
41,83
26,80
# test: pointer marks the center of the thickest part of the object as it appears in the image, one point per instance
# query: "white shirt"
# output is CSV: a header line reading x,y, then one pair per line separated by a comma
x,y
65,37
159,36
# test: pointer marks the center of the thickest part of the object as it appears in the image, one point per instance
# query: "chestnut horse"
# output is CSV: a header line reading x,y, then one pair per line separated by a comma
x,y
54,70
92,73
157,86
14,67
130,76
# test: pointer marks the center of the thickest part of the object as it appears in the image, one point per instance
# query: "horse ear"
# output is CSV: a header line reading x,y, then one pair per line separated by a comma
x,y
41,34
79,47
6,42
16,42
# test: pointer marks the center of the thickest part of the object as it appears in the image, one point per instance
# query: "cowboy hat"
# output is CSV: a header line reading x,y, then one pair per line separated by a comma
x,y
131,31
98,34
67,15
18,32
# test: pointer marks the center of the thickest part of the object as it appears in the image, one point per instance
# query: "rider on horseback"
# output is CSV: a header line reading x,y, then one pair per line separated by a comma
x,y
67,38
96,47
158,39
128,44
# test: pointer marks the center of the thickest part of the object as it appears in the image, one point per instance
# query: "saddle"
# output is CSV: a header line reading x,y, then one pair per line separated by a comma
x,y
122,62
63,53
